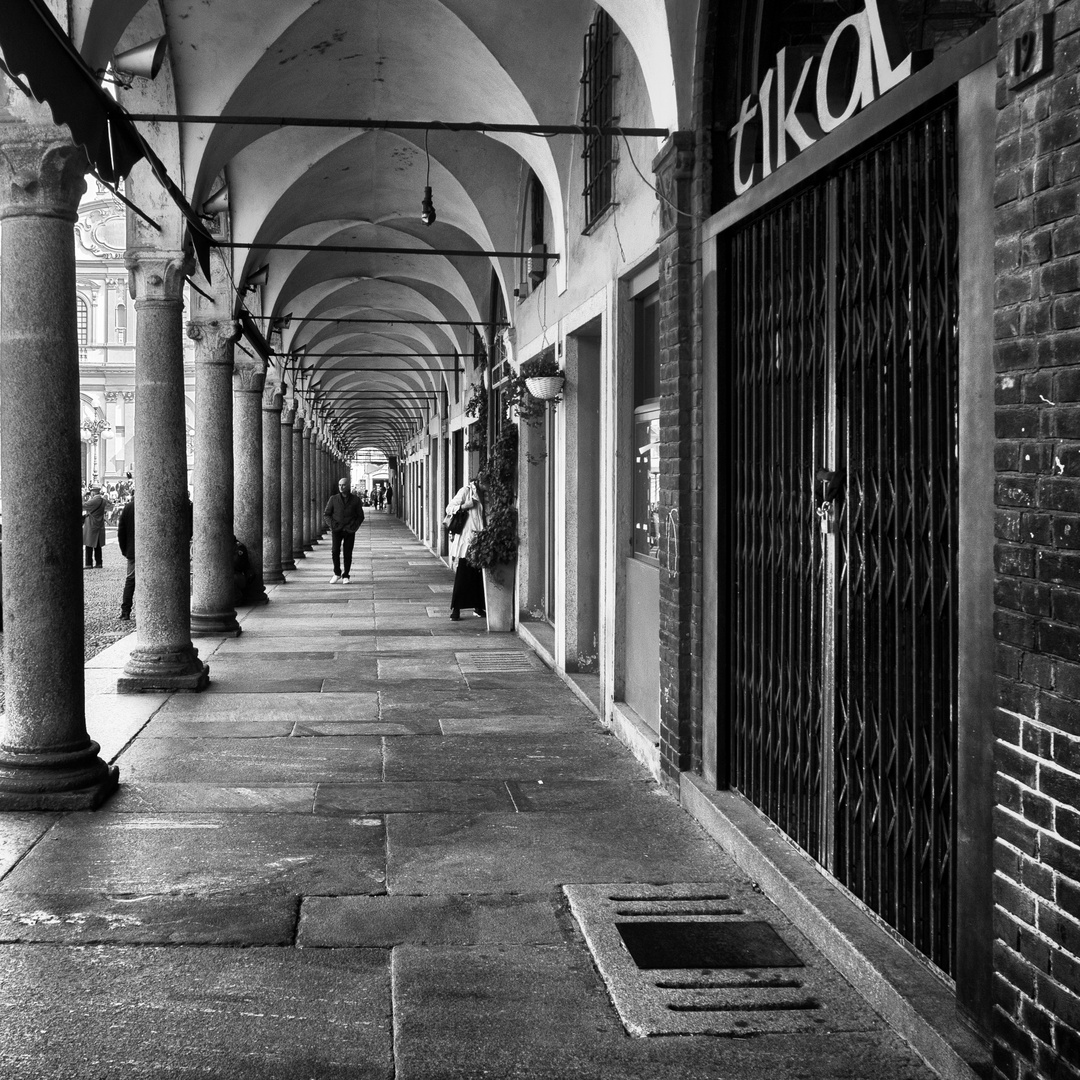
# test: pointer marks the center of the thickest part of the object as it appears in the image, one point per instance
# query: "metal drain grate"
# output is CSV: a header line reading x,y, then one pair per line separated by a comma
x,y
493,660
695,959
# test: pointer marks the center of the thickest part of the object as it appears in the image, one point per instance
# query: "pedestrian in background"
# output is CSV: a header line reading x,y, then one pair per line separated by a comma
x,y
344,514
94,507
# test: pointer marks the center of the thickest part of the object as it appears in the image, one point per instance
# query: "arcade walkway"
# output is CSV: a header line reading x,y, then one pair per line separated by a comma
x,y
347,859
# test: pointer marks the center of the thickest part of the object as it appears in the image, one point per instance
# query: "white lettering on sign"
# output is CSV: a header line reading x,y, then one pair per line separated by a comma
x,y
856,64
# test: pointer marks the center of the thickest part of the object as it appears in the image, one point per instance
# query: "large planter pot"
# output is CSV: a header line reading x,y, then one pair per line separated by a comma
x,y
499,583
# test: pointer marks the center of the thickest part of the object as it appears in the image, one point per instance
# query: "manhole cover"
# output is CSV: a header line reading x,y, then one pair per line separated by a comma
x,y
705,945
709,959
495,660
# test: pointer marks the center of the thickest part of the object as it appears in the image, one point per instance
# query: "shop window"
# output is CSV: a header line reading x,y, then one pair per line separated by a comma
x,y
598,92
646,446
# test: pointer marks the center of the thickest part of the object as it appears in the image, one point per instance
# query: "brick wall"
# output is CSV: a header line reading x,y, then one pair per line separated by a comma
x,y
680,410
1037,582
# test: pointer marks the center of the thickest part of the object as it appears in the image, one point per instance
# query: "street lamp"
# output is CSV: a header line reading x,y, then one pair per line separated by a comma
x,y
94,429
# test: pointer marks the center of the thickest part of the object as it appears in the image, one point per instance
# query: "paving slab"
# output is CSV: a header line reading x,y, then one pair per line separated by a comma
x,y
530,757
19,833
140,854
156,798
516,724
238,920
420,797
366,727
249,684
359,682
167,1013
322,641
573,796
422,699
411,668
254,761
296,708
447,853
182,727
539,1012
366,921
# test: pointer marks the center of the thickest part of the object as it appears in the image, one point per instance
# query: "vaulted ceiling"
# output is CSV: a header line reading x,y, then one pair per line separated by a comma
x,y
405,61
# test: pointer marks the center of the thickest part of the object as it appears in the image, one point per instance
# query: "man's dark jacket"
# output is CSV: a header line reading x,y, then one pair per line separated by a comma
x,y
344,512
125,530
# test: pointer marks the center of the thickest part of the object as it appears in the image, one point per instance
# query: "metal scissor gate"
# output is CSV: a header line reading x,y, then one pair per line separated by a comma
x,y
841,484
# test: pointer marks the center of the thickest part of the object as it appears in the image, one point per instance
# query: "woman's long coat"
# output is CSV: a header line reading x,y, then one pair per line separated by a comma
x,y
467,498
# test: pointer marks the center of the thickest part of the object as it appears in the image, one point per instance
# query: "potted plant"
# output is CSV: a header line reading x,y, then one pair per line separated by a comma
x,y
543,377
539,381
494,547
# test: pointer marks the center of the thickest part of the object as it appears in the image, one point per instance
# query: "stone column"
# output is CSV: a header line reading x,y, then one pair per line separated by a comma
x,y
164,657
212,611
299,447
248,379
271,472
47,759
288,418
309,474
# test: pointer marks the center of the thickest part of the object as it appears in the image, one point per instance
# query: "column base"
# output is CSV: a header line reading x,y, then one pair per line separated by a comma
x,y
214,624
288,564
150,670
273,577
51,780
309,547
298,554
255,596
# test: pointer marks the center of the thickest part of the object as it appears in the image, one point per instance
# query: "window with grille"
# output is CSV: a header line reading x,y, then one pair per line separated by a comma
x,y
598,86
536,268
82,321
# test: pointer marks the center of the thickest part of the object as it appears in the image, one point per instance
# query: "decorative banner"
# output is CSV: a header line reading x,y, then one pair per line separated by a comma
x,y
858,60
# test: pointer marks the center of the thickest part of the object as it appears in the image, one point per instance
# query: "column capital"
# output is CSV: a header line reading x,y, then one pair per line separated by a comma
x,y
212,339
42,173
272,397
298,418
288,413
248,375
158,276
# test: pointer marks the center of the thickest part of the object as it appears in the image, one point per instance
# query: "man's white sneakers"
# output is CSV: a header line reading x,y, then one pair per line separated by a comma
x,y
344,581
334,580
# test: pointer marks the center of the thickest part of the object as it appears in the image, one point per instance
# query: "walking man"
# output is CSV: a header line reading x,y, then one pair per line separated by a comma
x,y
344,514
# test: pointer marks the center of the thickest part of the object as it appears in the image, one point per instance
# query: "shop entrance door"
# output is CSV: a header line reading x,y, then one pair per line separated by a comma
x,y
842,482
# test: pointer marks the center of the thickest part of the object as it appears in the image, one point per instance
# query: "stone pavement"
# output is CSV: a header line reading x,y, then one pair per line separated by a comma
x,y
347,859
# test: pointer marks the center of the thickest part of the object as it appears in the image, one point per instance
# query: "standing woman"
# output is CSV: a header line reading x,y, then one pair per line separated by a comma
x,y
464,518
94,506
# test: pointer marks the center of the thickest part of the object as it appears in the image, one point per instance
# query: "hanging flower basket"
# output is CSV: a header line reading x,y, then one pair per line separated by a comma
x,y
545,387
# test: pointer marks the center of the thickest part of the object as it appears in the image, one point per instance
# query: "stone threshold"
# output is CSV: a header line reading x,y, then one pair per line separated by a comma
x,y
919,1005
